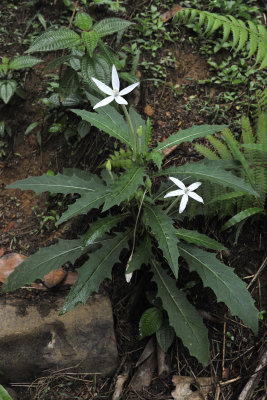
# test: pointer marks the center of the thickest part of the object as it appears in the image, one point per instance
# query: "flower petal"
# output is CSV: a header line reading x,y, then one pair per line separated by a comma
x,y
104,102
128,89
115,79
174,193
194,186
183,203
177,182
120,100
104,88
128,277
196,197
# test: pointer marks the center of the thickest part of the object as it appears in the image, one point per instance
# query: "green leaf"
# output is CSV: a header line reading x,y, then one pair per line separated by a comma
x,y
95,270
96,67
163,230
7,89
52,40
83,21
199,239
224,282
256,146
57,61
189,134
150,322
41,263
85,204
241,216
101,226
126,185
156,158
104,124
183,317
55,184
165,336
69,83
226,196
4,394
141,255
108,26
90,40
24,62
207,170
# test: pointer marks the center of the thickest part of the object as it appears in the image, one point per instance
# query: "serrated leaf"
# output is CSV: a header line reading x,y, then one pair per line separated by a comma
x,y
24,62
96,67
7,89
70,101
123,187
69,83
55,184
157,158
101,226
256,146
141,255
165,336
207,170
85,204
42,262
95,270
83,21
199,239
90,40
150,322
241,216
108,26
183,317
104,124
224,282
163,230
52,40
189,134
226,196
56,62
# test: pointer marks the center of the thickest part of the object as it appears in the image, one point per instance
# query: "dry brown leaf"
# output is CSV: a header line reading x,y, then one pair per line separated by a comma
x,y
54,277
148,110
148,350
71,278
2,250
185,388
8,263
144,374
169,14
163,361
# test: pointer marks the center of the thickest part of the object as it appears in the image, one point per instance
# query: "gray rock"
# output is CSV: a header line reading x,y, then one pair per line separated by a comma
x,y
34,338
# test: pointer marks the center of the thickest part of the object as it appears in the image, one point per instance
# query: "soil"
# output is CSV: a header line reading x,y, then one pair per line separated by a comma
x,y
22,214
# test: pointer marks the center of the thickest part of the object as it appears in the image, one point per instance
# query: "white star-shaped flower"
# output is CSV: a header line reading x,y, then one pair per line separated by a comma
x,y
185,192
114,93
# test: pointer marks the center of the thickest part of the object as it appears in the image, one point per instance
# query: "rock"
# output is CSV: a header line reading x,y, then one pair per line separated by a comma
x,y
34,338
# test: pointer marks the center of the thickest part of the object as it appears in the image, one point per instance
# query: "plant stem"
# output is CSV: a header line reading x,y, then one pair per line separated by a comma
x,y
127,116
172,204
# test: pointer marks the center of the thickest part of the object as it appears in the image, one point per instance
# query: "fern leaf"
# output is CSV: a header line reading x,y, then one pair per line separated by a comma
x,y
261,132
242,215
205,151
262,47
220,147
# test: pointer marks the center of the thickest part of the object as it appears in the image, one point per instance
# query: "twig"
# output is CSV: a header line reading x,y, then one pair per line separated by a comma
x,y
254,379
258,272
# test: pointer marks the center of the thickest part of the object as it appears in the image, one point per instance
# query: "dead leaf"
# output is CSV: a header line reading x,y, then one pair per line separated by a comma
x,y
186,388
8,227
168,150
143,376
2,250
120,382
163,361
8,263
169,14
148,110
54,277
71,278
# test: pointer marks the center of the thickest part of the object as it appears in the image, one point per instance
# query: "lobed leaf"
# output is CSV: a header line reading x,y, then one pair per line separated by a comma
x,y
224,282
162,229
42,262
95,270
199,239
124,187
183,317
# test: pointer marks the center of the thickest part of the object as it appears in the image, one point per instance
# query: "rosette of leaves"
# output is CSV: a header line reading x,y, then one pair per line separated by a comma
x,y
82,61
8,80
133,217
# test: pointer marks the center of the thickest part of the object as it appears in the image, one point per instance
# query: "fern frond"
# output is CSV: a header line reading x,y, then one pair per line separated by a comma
x,y
261,132
206,152
242,33
220,147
